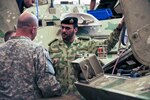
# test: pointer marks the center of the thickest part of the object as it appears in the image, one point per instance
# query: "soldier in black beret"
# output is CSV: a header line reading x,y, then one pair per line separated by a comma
x,y
70,47
70,20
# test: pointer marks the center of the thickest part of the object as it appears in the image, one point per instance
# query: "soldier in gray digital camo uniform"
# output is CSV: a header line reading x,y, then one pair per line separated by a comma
x,y
26,71
67,49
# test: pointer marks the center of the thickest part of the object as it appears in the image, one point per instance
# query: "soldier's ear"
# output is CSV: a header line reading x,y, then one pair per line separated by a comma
x,y
76,30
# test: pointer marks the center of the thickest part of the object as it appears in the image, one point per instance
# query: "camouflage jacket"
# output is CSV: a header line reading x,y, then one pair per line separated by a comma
x,y
63,55
26,72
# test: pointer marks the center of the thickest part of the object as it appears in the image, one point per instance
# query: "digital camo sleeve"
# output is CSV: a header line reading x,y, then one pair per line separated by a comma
x,y
45,79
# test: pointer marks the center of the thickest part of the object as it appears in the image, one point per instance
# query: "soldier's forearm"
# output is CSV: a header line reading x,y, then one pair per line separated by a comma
x,y
113,39
114,36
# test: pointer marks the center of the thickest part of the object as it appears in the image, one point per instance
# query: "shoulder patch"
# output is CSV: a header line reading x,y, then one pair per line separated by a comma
x,y
53,41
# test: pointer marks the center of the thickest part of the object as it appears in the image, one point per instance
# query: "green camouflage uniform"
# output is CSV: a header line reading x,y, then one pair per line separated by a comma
x,y
26,72
1,37
67,53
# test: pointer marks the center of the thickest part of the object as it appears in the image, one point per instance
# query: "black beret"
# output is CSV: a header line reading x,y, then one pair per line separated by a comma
x,y
70,20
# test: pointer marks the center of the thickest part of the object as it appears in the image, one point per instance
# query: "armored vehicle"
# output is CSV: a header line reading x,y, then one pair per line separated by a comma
x,y
128,76
101,84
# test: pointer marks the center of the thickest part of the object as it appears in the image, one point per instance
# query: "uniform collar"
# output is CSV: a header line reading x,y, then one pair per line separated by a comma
x,y
69,45
20,37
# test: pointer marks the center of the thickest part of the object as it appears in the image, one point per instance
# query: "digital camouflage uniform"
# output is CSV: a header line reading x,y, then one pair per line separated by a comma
x,y
26,71
79,48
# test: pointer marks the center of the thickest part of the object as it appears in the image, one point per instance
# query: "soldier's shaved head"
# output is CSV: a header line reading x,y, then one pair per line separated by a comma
x,y
27,19
27,25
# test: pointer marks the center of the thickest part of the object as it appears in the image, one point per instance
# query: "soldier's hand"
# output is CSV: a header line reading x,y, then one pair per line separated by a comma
x,y
55,61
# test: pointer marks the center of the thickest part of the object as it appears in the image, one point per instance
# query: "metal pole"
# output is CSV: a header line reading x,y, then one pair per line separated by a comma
x,y
79,1
51,6
37,9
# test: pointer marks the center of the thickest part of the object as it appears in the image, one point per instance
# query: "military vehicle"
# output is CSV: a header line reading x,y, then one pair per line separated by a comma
x,y
128,76
49,21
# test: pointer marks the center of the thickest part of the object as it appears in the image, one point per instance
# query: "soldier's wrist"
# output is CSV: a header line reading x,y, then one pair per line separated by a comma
x,y
118,29
120,25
